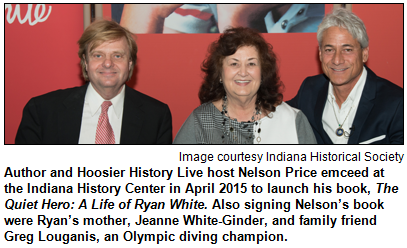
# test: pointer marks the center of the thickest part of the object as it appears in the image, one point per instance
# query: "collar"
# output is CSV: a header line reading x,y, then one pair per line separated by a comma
x,y
356,92
95,101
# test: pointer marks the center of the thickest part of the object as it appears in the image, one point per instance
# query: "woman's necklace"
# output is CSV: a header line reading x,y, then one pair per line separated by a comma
x,y
258,139
231,132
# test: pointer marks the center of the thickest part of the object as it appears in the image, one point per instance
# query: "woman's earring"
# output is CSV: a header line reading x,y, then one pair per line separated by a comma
x,y
220,80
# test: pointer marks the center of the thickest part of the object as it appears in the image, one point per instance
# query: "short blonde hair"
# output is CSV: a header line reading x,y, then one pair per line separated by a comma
x,y
99,32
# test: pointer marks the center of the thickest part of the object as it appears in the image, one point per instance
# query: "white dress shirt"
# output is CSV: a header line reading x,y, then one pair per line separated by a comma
x,y
91,111
345,114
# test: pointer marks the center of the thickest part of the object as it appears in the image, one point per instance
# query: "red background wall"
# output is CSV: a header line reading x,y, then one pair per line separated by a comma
x,y
43,57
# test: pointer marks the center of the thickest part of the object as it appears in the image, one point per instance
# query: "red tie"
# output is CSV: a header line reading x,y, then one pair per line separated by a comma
x,y
104,131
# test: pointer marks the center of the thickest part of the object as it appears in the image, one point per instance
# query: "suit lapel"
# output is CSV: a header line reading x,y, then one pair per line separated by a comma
x,y
364,108
70,117
133,118
319,110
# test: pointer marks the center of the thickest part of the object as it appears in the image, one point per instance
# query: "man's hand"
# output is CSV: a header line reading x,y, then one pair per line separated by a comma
x,y
146,18
244,15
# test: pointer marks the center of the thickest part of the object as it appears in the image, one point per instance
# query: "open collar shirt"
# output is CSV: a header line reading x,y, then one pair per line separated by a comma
x,y
344,114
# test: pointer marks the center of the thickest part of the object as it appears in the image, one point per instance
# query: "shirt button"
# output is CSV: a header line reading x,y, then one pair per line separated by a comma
x,y
300,11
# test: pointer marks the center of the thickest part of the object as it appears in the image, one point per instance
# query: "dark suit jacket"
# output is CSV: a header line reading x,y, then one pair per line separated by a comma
x,y
55,118
380,110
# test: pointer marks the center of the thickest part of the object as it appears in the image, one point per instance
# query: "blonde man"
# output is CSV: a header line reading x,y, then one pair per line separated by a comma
x,y
105,110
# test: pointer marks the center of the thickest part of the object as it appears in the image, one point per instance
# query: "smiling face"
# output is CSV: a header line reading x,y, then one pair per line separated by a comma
x,y
342,57
241,74
108,67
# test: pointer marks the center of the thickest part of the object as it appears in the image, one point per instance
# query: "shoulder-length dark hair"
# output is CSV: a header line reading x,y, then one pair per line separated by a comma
x,y
268,95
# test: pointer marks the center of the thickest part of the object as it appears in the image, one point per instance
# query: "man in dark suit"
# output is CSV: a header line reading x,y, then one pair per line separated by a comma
x,y
349,104
104,111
